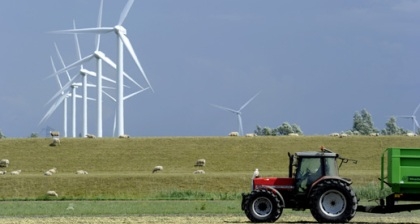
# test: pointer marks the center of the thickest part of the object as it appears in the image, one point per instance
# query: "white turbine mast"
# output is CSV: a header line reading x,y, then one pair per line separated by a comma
x,y
121,32
238,112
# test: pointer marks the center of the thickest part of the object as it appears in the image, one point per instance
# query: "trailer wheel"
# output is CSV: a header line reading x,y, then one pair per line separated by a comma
x,y
333,201
262,206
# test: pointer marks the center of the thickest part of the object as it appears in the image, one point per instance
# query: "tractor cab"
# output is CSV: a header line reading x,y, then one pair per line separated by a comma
x,y
308,167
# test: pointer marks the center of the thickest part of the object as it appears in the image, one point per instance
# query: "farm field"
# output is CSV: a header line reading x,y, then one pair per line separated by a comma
x,y
120,171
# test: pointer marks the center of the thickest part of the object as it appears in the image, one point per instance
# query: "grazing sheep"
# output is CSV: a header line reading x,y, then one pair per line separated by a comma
x,y
90,136
52,193
54,133
48,173
157,168
56,141
3,172
4,163
374,134
15,172
256,174
335,134
250,135
234,133
293,134
342,135
124,136
199,172
200,162
411,134
81,172
53,170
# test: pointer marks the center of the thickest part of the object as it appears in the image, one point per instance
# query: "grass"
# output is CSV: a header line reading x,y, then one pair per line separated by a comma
x,y
120,169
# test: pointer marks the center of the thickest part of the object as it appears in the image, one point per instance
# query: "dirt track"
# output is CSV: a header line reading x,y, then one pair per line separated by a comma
x,y
304,218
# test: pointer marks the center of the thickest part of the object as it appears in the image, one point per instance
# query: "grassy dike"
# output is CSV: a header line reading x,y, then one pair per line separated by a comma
x,y
120,169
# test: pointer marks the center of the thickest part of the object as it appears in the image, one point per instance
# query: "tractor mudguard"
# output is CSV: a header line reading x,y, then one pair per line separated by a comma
x,y
348,181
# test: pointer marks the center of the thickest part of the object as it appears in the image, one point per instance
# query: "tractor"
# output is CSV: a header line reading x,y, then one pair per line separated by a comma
x,y
313,183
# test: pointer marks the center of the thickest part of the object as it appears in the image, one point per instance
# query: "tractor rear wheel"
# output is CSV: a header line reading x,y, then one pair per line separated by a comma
x,y
262,205
333,201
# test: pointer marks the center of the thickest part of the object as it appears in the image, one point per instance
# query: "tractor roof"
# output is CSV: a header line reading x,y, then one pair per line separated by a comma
x,y
316,154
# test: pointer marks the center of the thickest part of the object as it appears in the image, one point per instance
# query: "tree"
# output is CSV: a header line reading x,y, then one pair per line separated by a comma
x,y
362,123
266,131
2,135
391,128
34,135
285,129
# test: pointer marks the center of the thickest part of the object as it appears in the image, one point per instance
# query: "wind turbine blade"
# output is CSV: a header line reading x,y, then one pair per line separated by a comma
x,y
108,79
66,86
241,129
76,41
58,78
53,108
125,11
415,110
85,30
135,93
107,94
98,36
225,108
113,65
61,60
243,106
77,63
130,49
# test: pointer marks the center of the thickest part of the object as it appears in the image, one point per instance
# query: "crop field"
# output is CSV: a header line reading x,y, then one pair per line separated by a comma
x,y
120,175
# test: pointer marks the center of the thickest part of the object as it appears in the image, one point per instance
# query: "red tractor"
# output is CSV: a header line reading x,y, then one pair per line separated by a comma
x,y
313,183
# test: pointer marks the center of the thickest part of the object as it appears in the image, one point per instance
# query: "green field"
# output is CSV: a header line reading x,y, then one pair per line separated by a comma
x,y
120,169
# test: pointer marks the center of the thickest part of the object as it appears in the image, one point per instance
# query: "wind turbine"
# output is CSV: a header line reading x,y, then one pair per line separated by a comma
x,y
413,118
122,40
238,112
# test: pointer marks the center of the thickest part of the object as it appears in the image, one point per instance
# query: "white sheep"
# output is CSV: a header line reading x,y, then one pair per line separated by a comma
x,y
157,168
81,172
411,134
342,135
234,133
3,172
200,162
48,173
199,172
124,136
335,134
90,136
52,193
53,170
16,172
4,163
250,135
56,141
293,134
54,133
374,134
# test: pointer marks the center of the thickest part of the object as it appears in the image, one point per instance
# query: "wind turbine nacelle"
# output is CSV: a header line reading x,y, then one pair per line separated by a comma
x,y
120,29
87,72
99,54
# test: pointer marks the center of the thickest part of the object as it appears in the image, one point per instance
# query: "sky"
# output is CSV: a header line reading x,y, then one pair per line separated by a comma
x,y
316,64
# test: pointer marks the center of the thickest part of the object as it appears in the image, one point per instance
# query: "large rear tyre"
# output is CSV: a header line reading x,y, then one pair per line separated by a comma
x,y
262,206
333,201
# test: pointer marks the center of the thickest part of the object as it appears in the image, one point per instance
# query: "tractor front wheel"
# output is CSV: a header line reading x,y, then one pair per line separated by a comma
x,y
262,206
333,201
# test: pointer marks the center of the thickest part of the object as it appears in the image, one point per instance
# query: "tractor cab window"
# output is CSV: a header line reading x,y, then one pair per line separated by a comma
x,y
331,168
310,170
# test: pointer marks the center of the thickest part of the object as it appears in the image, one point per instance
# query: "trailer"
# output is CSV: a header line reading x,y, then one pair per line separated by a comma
x,y
402,175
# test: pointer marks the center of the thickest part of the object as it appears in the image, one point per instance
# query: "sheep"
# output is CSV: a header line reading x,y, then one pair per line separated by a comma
x,y
343,135
54,133
53,170
81,172
250,135
90,136
256,174
52,193
335,134
48,173
199,172
293,134
157,168
4,163
200,162
374,134
411,134
15,172
124,136
56,141
3,172
234,133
